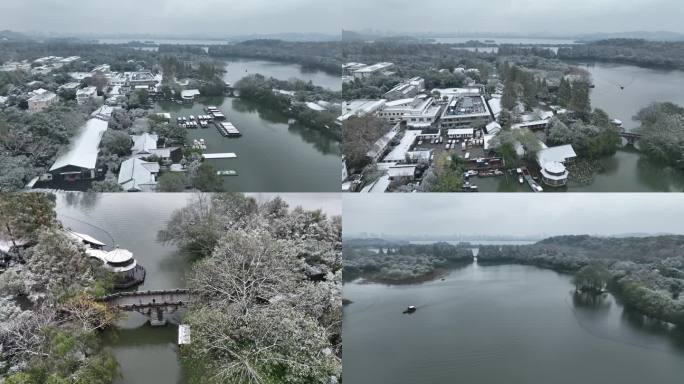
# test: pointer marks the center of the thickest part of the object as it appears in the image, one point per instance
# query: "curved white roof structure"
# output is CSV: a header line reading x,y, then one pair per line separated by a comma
x,y
84,148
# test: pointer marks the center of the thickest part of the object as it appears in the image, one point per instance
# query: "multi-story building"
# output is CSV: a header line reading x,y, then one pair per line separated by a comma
x,y
41,99
465,110
418,113
86,94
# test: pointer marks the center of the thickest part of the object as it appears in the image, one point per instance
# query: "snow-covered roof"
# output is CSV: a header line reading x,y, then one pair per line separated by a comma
x,y
403,170
398,153
86,238
460,131
84,147
119,255
190,93
493,127
103,113
314,106
144,144
558,154
495,105
138,175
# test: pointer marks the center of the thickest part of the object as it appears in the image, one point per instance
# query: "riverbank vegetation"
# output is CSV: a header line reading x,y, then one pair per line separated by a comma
x,y
30,142
49,319
643,53
402,264
662,133
268,285
646,273
321,56
292,102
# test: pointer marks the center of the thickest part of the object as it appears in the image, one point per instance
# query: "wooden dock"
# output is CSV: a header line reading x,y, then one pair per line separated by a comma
x,y
227,155
227,129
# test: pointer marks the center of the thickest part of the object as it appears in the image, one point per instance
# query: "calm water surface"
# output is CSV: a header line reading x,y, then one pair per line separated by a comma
x,y
501,324
145,354
643,86
272,155
628,170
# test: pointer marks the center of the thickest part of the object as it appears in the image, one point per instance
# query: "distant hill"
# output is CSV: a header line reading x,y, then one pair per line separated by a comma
x,y
646,35
8,35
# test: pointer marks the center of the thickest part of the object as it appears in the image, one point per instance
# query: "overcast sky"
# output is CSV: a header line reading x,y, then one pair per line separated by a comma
x,y
178,17
553,17
514,214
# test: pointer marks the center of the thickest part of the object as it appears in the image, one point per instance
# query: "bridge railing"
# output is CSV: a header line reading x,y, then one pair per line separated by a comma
x,y
160,292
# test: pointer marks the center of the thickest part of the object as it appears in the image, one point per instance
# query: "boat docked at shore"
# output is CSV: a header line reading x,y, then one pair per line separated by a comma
x,y
227,129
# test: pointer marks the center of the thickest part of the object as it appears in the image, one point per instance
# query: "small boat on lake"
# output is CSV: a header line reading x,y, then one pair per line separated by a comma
x,y
410,309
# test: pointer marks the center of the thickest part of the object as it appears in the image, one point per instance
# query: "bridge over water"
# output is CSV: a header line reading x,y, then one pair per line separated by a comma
x,y
631,137
150,303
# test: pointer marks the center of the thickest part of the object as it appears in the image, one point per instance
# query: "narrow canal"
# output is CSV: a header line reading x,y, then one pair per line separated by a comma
x,y
272,155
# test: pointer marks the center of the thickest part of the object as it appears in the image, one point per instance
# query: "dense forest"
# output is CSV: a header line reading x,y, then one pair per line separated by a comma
x,y
321,56
268,284
49,318
644,53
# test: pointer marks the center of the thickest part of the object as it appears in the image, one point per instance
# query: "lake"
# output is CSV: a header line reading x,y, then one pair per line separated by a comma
x,y
628,170
272,155
239,68
643,86
145,354
149,354
501,324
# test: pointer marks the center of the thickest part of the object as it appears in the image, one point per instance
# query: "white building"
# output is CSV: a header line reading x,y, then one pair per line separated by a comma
x,y
86,94
190,94
41,99
407,89
80,161
552,163
349,68
465,111
359,108
399,152
137,175
371,70
420,112
402,171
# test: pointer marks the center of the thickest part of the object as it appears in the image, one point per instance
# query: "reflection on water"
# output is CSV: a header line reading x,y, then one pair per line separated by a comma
x,y
503,323
145,354
239,68
642,86
271,155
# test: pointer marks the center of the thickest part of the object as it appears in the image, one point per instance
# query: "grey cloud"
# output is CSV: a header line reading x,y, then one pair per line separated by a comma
x,y
196,17
513,214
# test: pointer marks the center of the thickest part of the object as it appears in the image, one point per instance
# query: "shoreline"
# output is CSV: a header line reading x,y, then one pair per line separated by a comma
x,y
614,289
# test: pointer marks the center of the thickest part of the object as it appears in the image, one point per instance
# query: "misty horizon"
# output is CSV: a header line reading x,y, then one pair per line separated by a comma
x,y
232,18
520,215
